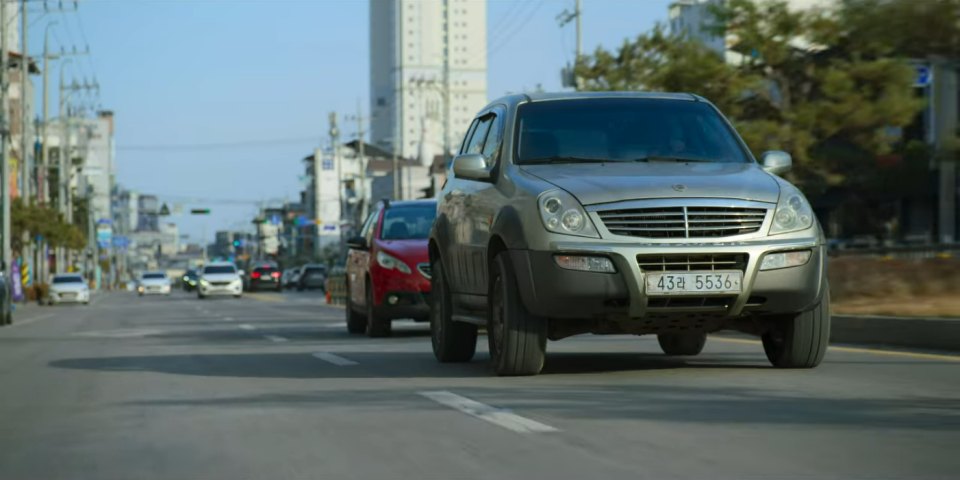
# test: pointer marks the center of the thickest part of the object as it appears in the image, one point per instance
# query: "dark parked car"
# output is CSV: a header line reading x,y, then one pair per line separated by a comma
x,y
6,303
264,277
190,280
312,277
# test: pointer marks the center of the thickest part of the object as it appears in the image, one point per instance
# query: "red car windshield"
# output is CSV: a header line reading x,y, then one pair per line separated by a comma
x,y
408,223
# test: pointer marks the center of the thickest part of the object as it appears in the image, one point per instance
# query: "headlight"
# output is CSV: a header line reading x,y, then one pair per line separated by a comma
x,y
793,211
390,262
204,282
561,213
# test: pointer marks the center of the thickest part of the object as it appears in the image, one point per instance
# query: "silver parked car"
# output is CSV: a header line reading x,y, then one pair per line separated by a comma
x,y
621,213
68,288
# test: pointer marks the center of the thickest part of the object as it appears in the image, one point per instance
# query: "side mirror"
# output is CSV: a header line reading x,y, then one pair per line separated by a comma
x,y
357,243
471,166
776,162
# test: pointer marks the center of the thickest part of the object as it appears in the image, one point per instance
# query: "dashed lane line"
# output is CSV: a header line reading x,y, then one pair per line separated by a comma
x,y
275,338
246,326
496,416
334,359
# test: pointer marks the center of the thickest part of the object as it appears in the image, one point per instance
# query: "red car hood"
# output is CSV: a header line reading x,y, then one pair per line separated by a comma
x,y
410,251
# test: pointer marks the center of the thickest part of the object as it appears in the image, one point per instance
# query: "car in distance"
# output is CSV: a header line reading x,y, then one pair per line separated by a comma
x,y
312,277
189,280
388,269
621,213
264,277
219,279
153,283
68,288
289,277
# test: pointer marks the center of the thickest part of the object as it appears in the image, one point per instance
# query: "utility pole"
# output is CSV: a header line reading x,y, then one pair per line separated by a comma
x,y
570,78
362,191
4,136
335,145
446,85
25,163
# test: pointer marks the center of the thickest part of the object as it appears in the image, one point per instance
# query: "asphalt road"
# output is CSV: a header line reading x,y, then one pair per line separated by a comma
x,y
273,387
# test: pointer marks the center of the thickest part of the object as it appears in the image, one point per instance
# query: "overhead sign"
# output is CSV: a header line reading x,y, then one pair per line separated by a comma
x,y
104,236
121,242
275,219
104,221
924,76
200,211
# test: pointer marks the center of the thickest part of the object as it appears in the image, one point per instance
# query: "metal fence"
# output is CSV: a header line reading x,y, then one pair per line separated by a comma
x,y
337,287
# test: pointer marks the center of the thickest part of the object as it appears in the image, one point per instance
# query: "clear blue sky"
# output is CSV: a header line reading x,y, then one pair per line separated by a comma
x,y
210,71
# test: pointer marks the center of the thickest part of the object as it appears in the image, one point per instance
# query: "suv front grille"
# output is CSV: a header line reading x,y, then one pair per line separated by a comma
x,y
686,263
683,222
424,269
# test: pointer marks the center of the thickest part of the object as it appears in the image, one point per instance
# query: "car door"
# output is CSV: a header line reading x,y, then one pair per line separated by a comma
x,y
358,262
459,198
483,200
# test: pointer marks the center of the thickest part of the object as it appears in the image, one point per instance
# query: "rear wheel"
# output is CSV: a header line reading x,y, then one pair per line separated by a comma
x,y
682,343
377,325
518,339
452,341
356,323
799,341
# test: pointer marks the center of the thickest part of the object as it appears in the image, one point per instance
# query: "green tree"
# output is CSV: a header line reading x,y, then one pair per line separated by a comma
x,y
796,81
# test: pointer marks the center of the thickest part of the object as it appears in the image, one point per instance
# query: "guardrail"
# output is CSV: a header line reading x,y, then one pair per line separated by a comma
x,y
337,287
910,252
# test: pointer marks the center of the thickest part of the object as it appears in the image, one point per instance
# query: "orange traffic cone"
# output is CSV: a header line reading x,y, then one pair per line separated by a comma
x,y
329,298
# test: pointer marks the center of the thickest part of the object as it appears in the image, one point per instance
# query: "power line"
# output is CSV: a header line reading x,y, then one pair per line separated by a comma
x,y
519,26
218,145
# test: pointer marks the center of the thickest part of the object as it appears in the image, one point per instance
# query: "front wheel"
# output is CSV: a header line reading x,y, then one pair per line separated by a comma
x,y
356,323
453,342
517,338
682,343
377,325
799,341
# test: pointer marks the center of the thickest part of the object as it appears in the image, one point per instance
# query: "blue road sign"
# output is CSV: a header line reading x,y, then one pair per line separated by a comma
x,y
924,76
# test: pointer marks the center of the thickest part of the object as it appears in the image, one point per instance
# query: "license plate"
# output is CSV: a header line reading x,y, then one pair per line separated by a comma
x,y
670,283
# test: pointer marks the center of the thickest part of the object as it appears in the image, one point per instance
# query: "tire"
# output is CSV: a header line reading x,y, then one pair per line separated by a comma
x,y
682,343
800,341
517,339
377,325
453,342
201,296
356,323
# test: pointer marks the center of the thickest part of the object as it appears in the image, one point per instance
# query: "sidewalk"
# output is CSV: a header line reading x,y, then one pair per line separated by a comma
x,y
909,332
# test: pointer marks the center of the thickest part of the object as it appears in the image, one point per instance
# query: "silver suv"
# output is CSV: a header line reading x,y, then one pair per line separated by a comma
x,y
621,213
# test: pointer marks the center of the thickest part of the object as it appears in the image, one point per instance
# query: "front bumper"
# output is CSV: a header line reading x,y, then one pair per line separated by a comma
x,y
165,290
554,292
213,290
401,295
66,297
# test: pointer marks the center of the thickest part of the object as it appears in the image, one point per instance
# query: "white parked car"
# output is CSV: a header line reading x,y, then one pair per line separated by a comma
x,y
68,288
219,279
153,283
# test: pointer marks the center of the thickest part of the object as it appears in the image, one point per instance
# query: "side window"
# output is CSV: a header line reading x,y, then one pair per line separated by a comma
x,y
479,135
466,137
492,145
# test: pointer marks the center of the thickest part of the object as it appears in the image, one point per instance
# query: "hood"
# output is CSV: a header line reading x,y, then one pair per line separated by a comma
x,y
411,251
221,277
68,287
154,281
615,182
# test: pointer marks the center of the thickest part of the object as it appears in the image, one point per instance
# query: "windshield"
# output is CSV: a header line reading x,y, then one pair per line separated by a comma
x,y
154,276
624,129
408,223
218,269
70,279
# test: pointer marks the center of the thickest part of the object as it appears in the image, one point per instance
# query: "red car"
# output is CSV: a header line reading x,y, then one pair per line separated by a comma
x,y
388,267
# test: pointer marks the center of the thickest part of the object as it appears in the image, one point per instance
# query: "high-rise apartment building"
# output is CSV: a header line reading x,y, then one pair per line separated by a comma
x,y
411,41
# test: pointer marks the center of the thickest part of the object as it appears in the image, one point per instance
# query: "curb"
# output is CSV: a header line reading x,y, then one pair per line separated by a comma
x,y
908,332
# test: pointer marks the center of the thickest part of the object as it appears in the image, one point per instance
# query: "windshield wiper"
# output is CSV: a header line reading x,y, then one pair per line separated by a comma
x,y
655,158
566,160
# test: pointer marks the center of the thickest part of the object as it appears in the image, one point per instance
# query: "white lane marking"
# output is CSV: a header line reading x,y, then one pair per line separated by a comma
x,y
120,333
275,338
245,326
334,359
28,321
494,415
228,319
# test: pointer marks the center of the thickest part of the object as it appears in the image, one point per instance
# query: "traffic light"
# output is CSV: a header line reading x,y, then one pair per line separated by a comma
x,y
200,211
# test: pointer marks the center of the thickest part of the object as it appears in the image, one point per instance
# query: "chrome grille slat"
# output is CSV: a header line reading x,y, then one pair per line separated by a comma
x,y
691,262
683,221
